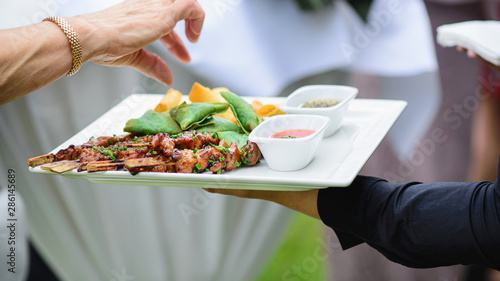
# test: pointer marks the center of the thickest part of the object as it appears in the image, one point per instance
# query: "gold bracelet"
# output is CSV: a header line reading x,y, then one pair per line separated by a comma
x,y
76,48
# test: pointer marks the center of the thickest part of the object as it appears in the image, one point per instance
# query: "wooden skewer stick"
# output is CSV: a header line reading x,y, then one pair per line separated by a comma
x,y
64,166
98,166
40,160
142,163
48,166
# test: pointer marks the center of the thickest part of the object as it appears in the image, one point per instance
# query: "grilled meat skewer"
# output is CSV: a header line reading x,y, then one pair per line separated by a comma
x,y
183,153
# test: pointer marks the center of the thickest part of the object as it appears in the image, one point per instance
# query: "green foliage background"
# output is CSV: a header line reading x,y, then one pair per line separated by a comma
x,y
298,244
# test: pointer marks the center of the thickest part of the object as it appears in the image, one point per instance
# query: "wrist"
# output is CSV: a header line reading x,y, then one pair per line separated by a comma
x,y
91,41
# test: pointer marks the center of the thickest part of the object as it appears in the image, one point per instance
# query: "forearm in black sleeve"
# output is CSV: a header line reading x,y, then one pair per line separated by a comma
x,y
416,224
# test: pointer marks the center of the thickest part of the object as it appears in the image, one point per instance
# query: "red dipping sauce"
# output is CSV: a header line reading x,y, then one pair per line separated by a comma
x,y
293,134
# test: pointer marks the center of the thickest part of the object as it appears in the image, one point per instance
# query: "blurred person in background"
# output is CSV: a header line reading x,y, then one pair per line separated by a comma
x,y
471,139
475,133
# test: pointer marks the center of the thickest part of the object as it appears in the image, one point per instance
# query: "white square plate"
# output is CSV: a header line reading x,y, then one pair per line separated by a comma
x,y
337,161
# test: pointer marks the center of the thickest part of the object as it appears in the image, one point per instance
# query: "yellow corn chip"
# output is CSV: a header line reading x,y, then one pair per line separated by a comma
x,y
269,110
172,98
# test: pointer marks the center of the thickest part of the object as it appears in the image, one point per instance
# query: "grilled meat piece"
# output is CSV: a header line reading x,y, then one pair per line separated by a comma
x,y
106,141
233,157
185,160
251,153
162,142
70,153
192,140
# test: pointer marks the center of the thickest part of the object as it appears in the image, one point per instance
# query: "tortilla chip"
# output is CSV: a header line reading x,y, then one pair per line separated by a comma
x,y
200,93
256,105
269,110
169,100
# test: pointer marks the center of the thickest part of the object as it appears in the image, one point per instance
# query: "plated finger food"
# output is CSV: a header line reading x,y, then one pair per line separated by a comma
x,y
176,138
337,160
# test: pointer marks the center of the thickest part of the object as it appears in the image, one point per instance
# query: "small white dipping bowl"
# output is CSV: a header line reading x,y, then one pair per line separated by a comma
x,y
294,153
293,104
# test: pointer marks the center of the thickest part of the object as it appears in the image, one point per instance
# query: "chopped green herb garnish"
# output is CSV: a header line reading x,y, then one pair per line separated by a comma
x,y
214,135
112,157
219,171
244,153
136,138
76,158
221,158
211,162
198,166
255,152
94,148
247,147
194,155
237,163
212,156
195,149
110,142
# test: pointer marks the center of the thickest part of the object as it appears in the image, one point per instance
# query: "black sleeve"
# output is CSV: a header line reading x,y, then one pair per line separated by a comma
x,y
416,224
